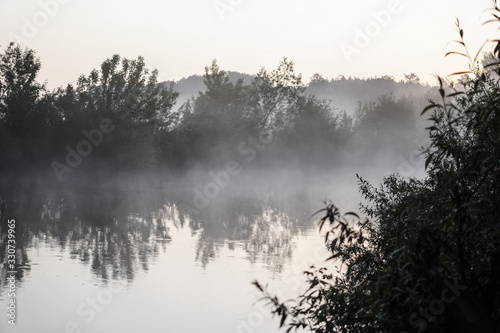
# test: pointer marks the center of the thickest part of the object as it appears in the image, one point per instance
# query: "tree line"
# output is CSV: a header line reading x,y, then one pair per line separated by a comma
x,y
120,119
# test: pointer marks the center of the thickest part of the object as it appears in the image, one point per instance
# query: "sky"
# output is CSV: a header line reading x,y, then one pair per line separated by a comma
x,y
180,37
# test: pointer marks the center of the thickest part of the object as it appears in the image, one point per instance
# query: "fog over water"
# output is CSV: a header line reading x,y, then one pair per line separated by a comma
x,y
139,209
148,255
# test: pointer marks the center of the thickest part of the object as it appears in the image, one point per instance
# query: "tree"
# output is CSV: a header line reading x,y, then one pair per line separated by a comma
x,y
314,133
227,113
129,95
29,121
275,94
217,120
412,78
19,90
379,122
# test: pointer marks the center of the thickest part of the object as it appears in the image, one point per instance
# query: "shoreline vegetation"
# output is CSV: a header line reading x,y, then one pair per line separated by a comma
x,y
425,255
120,120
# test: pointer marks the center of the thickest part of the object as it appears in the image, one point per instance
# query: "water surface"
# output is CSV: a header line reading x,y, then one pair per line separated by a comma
x,y
121,259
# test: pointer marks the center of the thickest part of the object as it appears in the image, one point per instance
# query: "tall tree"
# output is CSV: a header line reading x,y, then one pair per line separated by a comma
x,y
218,119
128,94
28,117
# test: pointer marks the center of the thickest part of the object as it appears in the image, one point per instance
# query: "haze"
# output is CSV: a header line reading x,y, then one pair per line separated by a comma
x,y
181,37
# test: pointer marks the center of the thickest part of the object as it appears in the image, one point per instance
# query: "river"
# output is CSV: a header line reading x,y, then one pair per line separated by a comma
x,y
132,259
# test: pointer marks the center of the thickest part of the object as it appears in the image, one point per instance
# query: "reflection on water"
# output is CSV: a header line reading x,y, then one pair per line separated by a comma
x,y
117,234
108,230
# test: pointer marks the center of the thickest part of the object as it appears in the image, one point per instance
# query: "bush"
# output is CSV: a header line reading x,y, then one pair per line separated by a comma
x,y
426,257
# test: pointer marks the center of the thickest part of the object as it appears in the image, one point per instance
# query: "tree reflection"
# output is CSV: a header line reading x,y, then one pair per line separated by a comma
x,y
110,229
118,231
264,227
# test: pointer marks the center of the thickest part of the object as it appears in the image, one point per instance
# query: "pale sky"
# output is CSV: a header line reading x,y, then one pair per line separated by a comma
x,y
181,37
